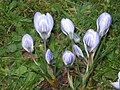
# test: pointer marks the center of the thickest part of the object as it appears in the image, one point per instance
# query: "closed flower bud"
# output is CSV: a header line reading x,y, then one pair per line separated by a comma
x,y
78,51
76,38
68,58
103,23
48,56
67,27
27,43
91,40
43,24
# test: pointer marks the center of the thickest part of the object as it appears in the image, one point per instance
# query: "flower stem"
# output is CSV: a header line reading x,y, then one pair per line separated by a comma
x,y
34,59
90,59
44,45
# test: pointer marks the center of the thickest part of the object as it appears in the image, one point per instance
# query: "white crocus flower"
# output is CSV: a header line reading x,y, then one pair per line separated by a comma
x,y
67,27
27,43
91,40
43,24
68,58
103,23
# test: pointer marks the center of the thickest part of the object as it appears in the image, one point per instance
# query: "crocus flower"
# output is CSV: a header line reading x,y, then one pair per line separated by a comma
x,y
76,38
91,40
78,51
68,58
27,43
48,56
117,84
67,27
43,24
103,23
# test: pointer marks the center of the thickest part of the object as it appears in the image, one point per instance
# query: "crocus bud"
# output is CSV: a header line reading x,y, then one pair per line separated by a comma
x,y
27,43
48,56
77,51
103,23
43,24
76,38
68,58
91,40
67,27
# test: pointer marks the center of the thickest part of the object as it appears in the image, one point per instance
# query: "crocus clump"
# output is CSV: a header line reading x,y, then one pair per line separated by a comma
x,y
67,27
43,24
68,58
91,40
48,56
103,23
27,43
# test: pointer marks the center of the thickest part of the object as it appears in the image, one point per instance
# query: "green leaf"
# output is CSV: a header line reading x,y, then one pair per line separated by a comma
x,y
50,71
31,76
17,38
2,51
5,70
11,48
12,5
70,81
27,20
21,70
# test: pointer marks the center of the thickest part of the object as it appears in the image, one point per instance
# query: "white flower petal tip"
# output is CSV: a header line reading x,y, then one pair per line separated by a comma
x,y
77,51
48,56
67,27
68,58
43,24
76,38
116,85
27,43
91,40
119,75
103,23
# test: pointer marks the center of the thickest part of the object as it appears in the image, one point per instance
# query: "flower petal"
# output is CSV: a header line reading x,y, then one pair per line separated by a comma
x,y
78,51
27,43
116,85
50,21
48,56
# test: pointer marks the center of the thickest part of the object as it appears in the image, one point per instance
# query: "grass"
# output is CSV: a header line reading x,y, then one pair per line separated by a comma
x,y
18,71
